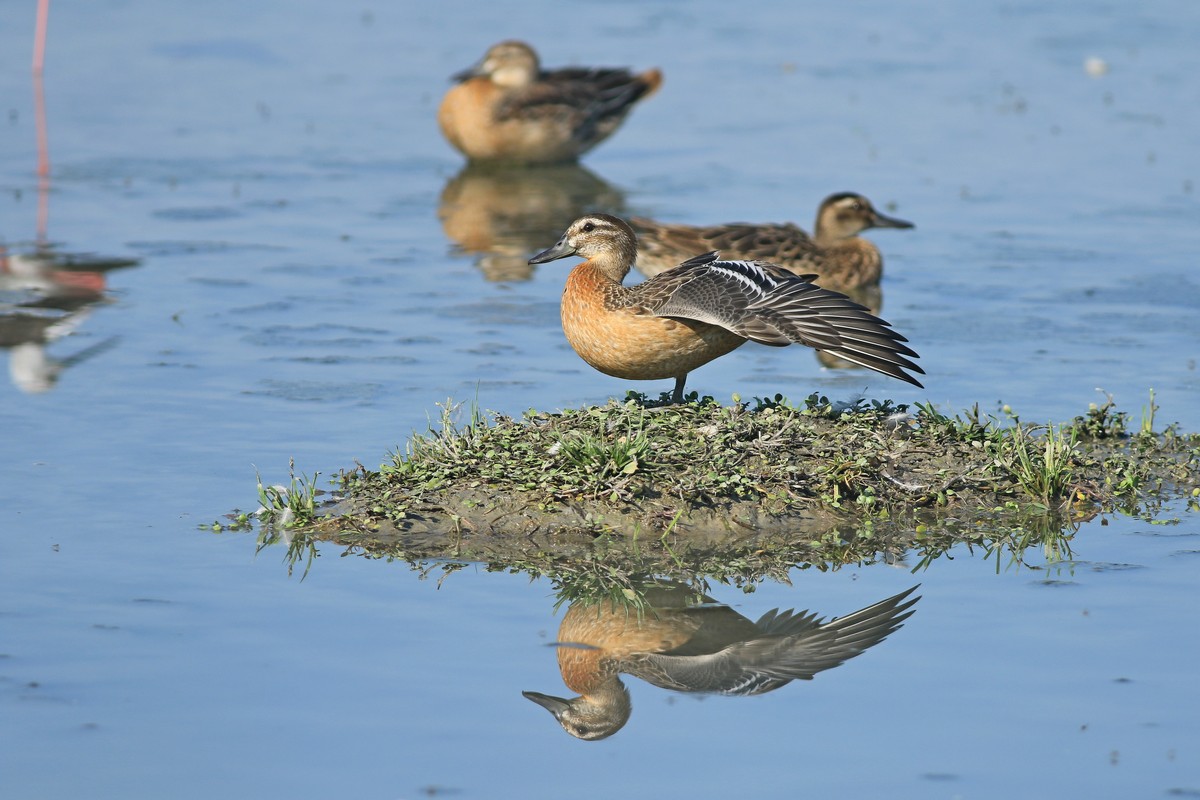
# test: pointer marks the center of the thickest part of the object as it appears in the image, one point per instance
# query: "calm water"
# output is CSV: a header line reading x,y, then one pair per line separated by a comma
x,y
314,272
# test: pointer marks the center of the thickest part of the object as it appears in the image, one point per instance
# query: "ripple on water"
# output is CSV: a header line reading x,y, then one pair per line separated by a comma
x,y
183,247
1109,566
319,335
490,349
197,214
332,359
240,50
317,391
524,313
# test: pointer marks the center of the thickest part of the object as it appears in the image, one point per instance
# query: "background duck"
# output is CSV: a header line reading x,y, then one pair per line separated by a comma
x,y
506,108
702,309
835,254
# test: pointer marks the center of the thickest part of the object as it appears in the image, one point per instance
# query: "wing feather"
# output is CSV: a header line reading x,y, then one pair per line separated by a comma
x,y
792,647
767,304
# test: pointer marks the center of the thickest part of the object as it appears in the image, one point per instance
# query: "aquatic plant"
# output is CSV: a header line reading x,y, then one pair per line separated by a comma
x,y
597,498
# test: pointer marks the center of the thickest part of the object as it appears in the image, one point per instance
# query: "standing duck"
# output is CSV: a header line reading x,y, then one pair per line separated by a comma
x,y
702,309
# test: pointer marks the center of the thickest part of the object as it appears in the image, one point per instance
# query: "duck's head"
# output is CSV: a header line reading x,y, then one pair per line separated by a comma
x,y
847,214
509,63
597,237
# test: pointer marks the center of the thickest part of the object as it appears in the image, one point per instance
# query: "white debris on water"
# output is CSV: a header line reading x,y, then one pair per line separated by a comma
x,y
1095,66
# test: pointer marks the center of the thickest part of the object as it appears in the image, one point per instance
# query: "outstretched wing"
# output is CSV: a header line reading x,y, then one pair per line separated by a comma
x,y
718,292
792,647
768,304
831,322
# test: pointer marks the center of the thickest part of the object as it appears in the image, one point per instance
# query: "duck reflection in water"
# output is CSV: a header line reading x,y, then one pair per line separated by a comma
x,y
500,214
690,643
46,295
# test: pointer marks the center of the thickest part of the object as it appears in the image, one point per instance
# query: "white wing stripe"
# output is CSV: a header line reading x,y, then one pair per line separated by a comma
x,y
752,276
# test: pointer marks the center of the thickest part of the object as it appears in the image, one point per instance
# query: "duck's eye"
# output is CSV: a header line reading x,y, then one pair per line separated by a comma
x,y
588,227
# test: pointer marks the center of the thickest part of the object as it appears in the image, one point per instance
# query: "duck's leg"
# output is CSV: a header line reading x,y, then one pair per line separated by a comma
x,y
677,397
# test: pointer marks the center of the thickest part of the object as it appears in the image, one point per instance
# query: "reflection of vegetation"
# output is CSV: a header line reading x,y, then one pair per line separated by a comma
x,y
599,498
299,547
1014,548
614,568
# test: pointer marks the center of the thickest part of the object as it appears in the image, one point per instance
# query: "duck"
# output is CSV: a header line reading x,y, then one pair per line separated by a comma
x,y
690,643
702,309
506,108
840,259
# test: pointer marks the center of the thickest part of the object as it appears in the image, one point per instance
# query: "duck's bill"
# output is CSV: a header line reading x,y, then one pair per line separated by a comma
x,y
555,705
884,221
559,250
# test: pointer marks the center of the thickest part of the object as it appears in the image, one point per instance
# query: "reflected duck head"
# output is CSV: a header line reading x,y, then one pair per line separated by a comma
x,y
589,717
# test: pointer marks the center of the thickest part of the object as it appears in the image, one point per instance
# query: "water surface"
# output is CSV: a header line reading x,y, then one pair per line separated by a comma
x,y
298,281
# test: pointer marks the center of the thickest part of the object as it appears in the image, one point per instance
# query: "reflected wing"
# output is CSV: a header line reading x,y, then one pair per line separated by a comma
x,y
793,646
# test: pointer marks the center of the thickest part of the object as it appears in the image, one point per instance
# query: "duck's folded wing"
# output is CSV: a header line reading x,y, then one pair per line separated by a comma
x,y
660,242
594,94
776,243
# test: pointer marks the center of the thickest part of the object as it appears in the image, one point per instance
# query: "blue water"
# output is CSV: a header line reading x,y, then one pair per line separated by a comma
x,y
303,291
